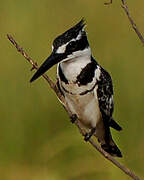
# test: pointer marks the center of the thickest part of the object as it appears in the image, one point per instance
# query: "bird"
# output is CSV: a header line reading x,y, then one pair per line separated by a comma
x,y
86,86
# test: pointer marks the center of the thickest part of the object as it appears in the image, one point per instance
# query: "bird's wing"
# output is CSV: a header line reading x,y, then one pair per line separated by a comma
x,y
106,105
105,94
105,99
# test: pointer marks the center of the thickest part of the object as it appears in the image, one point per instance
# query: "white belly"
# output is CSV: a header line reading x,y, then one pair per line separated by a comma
x,y
86,107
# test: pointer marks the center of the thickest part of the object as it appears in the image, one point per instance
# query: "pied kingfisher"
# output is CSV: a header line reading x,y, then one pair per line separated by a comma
x,y
86,86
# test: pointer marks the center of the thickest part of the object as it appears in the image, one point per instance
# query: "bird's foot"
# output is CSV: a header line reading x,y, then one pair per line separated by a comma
x,y
73,118
90,134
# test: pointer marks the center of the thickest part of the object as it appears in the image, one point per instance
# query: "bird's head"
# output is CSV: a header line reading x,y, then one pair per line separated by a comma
x,y
67,46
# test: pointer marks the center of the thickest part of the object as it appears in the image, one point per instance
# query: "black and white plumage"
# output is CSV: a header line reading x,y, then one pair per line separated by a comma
x,y
86,86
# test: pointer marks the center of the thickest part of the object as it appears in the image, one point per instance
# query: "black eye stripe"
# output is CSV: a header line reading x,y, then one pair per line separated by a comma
x,y
82,43
77,45
72,45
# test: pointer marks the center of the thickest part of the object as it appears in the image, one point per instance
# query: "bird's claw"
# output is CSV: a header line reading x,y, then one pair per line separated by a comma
x,y
73,118
90,134
87,137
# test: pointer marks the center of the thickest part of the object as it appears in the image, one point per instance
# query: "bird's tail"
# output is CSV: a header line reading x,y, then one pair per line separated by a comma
x,y
111,148
104,136
115,125
109,145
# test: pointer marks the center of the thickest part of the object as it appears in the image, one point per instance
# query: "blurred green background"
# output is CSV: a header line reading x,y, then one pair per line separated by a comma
x,y
37,141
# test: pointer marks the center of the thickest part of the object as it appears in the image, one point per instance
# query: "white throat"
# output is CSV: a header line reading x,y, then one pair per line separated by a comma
x,y
72,68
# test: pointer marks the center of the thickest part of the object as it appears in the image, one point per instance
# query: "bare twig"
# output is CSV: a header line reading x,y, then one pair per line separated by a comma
x,y
34,64
77,122
134,26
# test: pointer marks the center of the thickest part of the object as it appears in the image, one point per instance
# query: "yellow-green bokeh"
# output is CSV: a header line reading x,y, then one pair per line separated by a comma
x,y
37,141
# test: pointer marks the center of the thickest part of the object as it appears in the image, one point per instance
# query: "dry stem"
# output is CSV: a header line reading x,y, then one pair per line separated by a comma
x,y
77,122
134,26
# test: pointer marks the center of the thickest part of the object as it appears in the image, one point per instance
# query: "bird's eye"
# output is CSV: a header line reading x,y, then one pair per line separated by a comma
x,y
72,45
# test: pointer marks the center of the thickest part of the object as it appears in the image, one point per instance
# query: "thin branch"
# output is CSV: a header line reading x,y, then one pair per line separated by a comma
x,y
34,64
77,122
134,26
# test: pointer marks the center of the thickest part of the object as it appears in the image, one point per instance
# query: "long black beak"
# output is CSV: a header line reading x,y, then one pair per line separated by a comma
x,y
50,61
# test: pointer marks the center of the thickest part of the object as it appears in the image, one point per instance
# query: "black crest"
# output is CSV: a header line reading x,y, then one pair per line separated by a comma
x,y
69,34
